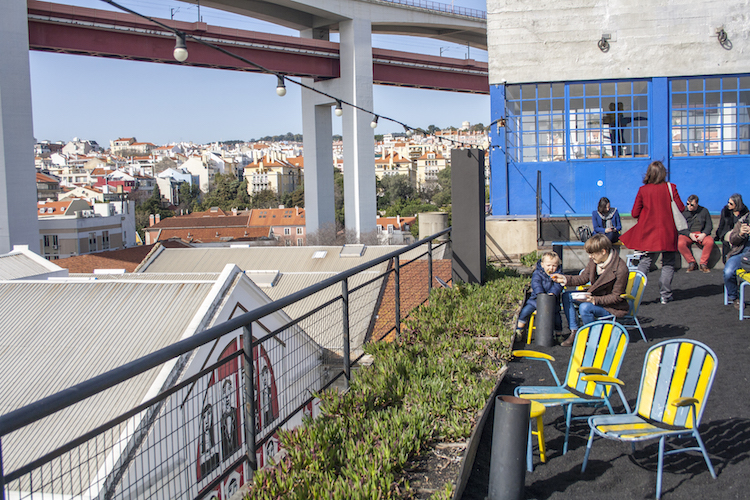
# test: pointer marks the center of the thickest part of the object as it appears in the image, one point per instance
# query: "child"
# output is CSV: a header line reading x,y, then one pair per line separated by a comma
x,y
541,282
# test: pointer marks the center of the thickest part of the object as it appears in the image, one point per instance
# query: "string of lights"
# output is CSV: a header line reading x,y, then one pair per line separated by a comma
x,y
181,54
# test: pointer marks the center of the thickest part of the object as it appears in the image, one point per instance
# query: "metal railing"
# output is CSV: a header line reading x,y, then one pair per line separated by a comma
x,y
441,7
209,428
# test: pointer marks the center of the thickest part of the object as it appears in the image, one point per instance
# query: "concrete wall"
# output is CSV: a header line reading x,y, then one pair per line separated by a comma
x,y
508,239
556,40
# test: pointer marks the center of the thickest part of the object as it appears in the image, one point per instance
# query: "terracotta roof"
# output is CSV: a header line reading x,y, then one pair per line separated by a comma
x,y
191,221
412,290
45,178
277,217
127,258
384,221
425,155
396,159
297,161
215,235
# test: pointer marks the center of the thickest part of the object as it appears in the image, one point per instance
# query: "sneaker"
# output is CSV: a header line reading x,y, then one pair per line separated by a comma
x,y
664,300
737,304
692,267
705,269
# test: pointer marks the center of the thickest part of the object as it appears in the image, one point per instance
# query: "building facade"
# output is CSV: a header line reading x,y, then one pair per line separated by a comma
x,y
607,88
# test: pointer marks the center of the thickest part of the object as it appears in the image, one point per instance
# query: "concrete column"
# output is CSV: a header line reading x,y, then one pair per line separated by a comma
x,y
359,158
18,220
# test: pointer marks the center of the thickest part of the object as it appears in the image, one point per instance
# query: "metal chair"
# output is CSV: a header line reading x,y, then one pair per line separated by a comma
x,y
633,294
596,355
675,383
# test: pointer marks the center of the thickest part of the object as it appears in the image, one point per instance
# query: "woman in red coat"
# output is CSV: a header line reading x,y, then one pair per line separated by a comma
x,y
655,232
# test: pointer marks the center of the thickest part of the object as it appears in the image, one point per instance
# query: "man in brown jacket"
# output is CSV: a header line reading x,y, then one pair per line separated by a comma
x,y
608,275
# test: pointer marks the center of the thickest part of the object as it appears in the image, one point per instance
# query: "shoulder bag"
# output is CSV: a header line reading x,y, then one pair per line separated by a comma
x,y
679,220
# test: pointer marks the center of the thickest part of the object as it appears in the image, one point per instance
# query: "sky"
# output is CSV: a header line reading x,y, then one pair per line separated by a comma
x,y
103,99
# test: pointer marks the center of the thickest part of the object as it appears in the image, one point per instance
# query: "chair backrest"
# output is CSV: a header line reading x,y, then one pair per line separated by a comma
x,y
601,344
636,285
673,369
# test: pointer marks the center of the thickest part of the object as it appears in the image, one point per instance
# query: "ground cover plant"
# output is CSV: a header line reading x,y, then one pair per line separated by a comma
x,y
426,386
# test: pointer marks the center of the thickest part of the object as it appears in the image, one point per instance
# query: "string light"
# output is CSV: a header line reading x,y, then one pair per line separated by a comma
x,y
339,111
280,87
374,122
180,49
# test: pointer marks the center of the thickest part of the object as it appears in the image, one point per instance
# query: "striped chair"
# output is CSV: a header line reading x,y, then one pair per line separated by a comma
x,y
633,294
675,383
594,365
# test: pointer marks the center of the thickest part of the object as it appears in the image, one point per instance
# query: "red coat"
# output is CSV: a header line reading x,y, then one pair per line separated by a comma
x,y
655,230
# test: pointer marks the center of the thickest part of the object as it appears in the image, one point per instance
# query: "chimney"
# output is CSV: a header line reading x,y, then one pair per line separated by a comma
x,y
234,211
398,221
158,218
297,209
150,220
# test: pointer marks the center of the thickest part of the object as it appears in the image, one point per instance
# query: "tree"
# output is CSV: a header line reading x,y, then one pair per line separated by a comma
x,y
295,198
393,188
164,164
443,197
188,196
264,199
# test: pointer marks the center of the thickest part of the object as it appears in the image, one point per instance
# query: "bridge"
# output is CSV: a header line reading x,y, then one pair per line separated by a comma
x,y
348,78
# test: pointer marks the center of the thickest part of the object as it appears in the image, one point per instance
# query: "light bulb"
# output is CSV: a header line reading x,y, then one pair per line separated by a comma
x,y
180,50
339,111
374,122
281,87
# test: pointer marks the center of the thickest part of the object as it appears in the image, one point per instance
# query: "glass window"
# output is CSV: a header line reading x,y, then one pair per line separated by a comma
x,y
594,120
710,116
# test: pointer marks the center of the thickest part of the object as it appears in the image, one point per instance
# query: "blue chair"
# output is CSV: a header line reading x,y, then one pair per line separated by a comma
x,y
675,383
594,364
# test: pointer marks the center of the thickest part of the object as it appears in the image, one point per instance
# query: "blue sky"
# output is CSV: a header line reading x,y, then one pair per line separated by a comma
x,y
103,99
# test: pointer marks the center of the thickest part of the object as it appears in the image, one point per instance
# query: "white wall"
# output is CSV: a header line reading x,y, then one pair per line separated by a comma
x,y
556,40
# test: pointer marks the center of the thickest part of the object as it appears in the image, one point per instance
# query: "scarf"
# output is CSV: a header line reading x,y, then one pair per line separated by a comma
x,y
600,267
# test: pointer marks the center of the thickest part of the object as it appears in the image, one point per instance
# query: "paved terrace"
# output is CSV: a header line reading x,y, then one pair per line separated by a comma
x,y
613,472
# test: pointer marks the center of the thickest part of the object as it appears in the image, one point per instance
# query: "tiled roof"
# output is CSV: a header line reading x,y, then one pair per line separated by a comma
x,y
127,258
277,217
215,235
45,178
192,221
384,221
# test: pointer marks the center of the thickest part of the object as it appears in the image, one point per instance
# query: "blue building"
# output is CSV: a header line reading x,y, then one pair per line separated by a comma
x,y
590,94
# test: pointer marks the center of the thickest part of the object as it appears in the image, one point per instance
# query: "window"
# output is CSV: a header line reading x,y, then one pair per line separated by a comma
x,y
710,116
299,242
46,240
380,229
559,122
105,240
299,230
92,242
390,228
287,231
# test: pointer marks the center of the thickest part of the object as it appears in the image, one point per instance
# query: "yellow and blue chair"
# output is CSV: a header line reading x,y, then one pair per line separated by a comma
x,y
593,368
675,383
633,294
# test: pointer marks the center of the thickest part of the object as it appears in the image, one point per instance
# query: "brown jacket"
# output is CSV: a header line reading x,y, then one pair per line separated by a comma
x,y
607,287
736,239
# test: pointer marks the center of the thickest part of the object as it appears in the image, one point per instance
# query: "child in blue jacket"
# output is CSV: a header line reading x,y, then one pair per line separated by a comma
x,y
541,282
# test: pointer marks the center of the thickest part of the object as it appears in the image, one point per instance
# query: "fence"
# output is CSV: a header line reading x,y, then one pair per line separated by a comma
x,y
208,429
442,7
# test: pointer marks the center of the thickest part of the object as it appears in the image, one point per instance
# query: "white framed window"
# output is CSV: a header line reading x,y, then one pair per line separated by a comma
x,y
92,242
299,230
390,228
287,231
105,240
299,242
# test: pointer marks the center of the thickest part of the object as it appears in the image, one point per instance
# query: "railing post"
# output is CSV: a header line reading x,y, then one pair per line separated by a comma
x,y
397,272
2,473
345,311
429,267
250,424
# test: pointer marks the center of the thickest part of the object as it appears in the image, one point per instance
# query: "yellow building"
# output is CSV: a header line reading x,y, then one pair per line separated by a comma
x,y
280,176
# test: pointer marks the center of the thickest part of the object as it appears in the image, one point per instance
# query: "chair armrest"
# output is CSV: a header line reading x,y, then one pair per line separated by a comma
x,y
532,354
602,379
678,402
627,296
590,370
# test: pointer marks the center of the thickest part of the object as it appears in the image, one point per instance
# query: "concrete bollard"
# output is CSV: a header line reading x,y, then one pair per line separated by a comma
x,y
545,320
509,441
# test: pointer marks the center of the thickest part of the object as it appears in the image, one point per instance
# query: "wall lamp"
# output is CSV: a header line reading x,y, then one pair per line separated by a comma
x,y
281,86
723,39
603,42
180,52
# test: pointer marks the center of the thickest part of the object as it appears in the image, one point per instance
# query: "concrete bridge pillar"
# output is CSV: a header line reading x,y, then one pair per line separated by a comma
x,y
18,220
353,86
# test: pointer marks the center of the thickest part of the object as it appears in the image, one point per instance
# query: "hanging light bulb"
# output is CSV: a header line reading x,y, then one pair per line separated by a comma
x,y
408,131
180,50
339,111
374,122
281,87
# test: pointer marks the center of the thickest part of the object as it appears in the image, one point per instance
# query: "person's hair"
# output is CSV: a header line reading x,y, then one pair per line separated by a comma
x,y
737,199
551,256
693,197
655,174
597,243
603,202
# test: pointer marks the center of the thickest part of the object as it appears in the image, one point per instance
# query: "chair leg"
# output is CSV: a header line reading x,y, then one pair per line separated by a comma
x,y
660,468
705,453
588,450
540,437
567,428
529,452
638,324
531,327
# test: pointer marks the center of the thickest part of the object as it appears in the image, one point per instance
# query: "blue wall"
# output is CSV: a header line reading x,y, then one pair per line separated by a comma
x,y
575,187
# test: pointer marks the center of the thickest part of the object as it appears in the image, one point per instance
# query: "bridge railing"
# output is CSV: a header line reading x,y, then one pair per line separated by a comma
x,y
205,432
442,7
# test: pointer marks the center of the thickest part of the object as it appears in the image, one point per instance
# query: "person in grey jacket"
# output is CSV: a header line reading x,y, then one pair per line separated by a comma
x,y
739,238
698,232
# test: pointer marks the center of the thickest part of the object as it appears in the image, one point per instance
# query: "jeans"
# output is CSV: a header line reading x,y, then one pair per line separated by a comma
x,y
667,270
730,270
589,312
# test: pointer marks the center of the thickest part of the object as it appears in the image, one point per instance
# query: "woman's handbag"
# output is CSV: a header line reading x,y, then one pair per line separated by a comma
x,y
679,220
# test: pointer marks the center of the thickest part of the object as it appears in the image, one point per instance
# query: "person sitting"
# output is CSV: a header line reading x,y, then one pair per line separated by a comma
x,y
541,282
733,210
608,275
739,238
698,232
606,220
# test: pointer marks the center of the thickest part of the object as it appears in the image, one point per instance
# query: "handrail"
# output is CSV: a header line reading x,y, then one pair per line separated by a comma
x,y
45,407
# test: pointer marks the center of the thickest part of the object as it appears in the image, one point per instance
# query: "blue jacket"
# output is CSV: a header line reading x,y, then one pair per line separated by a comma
x,y
600,226
541,282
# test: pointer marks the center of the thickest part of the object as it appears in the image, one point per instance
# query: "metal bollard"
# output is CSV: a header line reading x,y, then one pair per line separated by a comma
x,y
509,441
545,319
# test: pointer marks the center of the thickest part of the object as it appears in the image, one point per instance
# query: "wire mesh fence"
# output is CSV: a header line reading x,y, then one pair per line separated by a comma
x,y
218,411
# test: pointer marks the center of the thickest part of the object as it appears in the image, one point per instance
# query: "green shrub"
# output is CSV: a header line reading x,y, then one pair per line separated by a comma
x,y
426,386
530,259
